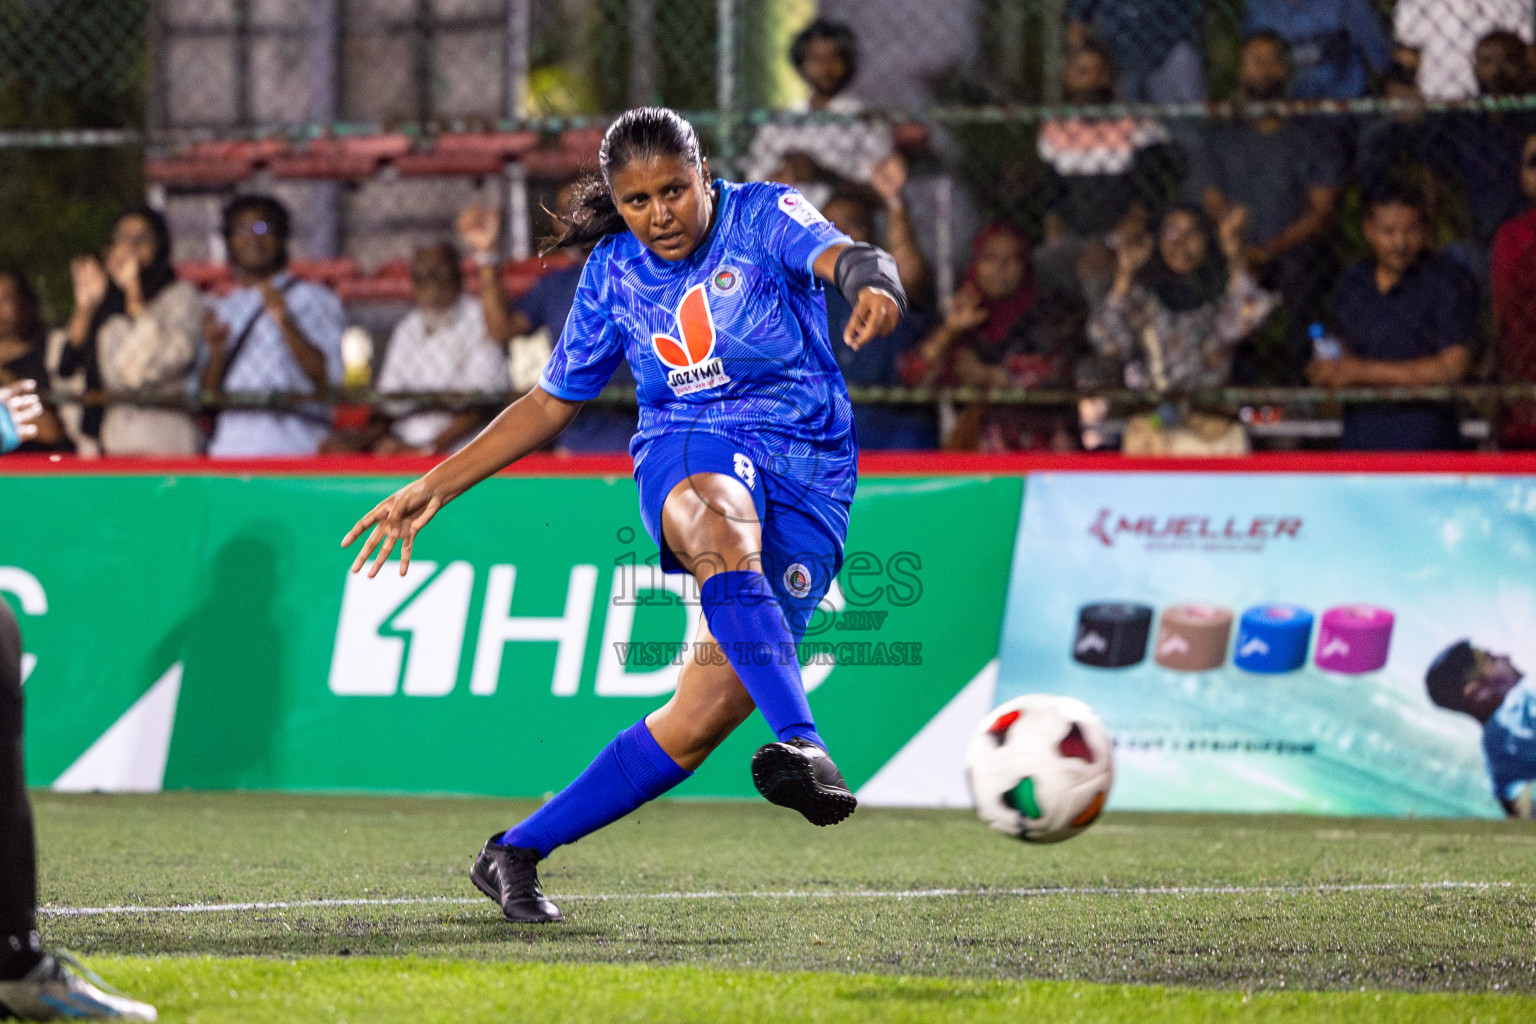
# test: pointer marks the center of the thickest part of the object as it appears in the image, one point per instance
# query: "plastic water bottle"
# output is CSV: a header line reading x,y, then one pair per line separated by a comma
x,y
1324,345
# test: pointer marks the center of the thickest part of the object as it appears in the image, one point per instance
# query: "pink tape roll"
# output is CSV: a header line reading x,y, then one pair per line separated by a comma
x,y
1354,638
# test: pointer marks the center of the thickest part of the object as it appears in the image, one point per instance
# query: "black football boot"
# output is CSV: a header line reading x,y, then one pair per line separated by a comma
x,y
510,876
799,775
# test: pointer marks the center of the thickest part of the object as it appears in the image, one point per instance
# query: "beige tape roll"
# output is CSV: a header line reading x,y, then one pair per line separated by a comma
x,y
1193,637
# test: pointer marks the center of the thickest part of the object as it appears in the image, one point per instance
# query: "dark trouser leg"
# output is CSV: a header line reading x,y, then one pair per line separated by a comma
x,y
18,856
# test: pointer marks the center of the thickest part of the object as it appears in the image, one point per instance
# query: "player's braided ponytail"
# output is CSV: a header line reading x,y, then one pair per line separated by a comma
x,y
641,133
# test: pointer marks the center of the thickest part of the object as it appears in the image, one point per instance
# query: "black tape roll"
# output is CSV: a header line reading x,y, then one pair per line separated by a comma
x,y
1113,634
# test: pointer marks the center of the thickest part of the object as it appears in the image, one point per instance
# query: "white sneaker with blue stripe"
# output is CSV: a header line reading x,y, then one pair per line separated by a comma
x,y
62,988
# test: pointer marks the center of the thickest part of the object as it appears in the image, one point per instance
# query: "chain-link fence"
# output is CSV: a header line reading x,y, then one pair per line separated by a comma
x,y
1199,195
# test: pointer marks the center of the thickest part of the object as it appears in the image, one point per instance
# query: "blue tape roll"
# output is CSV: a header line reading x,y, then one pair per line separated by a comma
x,y
1273,638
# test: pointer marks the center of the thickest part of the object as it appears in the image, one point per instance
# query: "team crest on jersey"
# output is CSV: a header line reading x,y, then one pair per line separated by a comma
x,y
691,356
797,579
725,282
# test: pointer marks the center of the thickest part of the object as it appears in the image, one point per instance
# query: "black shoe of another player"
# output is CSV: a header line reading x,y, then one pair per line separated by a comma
x,y
799,775
509,875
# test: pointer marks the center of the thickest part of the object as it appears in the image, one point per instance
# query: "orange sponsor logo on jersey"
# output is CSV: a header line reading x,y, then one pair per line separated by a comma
x,y
691,357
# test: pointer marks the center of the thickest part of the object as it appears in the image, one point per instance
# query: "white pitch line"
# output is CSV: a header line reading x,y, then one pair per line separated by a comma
x,y
795,894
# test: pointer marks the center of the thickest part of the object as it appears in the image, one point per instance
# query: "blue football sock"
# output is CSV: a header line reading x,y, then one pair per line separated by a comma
x,y
630,771
745,617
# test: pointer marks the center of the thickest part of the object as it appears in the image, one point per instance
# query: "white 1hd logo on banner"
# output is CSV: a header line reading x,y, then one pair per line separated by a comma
x,y
29,592
372,656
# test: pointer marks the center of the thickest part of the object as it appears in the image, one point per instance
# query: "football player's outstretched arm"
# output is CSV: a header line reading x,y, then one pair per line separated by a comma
x,y
526,425
868,279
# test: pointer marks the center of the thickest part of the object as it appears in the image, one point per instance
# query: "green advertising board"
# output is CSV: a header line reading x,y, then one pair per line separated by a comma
x,y
202,631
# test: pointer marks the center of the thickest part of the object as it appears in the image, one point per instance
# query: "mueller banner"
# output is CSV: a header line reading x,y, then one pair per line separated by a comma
x,y
203,632
1283,642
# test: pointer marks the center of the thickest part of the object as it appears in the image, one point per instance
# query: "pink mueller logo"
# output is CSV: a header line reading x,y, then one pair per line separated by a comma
x,y
1109,527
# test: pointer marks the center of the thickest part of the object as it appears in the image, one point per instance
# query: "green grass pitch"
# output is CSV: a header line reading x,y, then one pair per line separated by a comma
x,y
359,909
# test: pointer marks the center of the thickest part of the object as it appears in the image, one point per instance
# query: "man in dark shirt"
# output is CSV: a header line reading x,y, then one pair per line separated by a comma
x,y
1285,172
1405,317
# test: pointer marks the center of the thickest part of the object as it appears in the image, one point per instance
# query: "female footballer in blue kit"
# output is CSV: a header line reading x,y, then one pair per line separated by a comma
x,y
745,457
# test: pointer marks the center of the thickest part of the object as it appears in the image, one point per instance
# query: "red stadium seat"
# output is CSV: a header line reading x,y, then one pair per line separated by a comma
x,y
464,163
256,152
478,154
329,272
551,165
205,275
397,268
350,158
507,145
214,164
584,141
378,147
178,172
374,289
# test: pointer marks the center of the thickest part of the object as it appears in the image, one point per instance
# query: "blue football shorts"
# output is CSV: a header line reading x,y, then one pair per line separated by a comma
x,y
803,530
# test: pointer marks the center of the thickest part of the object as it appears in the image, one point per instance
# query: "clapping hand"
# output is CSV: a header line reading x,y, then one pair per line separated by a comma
x,y
888,178
25,408
479,228
277,306
1230,232
964,312
215,333
123,269
90,284
1133,253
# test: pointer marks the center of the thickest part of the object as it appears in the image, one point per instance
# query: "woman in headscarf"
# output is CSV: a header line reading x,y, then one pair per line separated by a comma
x,y
23,340
997,333
1181,302
135,327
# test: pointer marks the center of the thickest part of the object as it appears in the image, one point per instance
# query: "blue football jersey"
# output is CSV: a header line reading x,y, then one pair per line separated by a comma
x,y
732,340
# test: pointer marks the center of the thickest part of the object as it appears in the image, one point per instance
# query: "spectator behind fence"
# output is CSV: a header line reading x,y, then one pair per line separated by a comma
x,y
1181,302
142,329
1435,40
1483,149
1285,172
23,344
1155,44
597,428
1101,177
449,342
1405,318
998,332
1335,45
816,157
276,333
1513,279
1392,146
879,363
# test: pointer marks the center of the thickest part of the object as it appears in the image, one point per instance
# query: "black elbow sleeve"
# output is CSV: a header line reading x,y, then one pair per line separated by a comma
x,y
861,266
